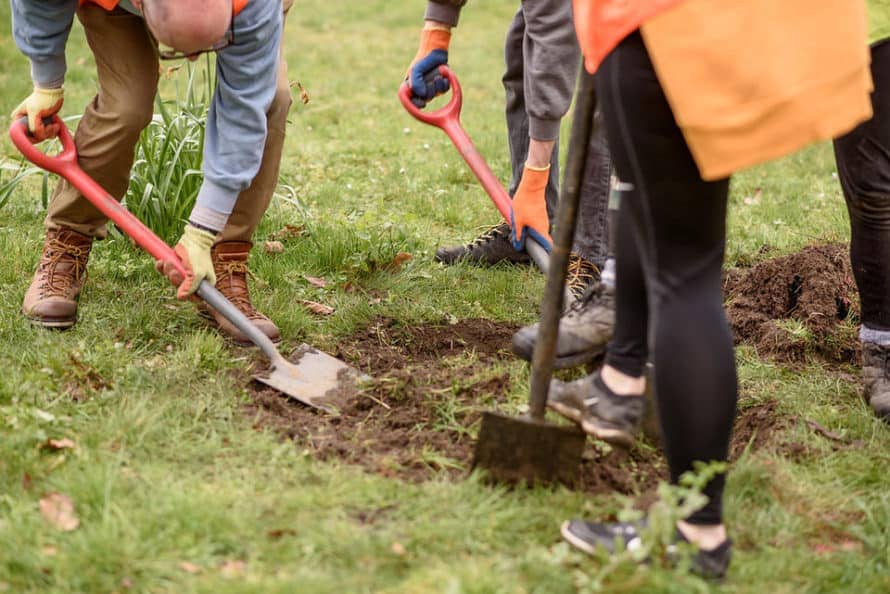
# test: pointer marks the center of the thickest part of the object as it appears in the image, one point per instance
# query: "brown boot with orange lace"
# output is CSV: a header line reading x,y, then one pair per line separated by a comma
x,y
230,265
51,300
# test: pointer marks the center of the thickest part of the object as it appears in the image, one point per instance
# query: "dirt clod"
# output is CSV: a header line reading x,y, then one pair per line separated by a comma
x,y
797,306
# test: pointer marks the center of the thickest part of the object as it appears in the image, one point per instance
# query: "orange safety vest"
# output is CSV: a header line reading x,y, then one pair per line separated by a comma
x,y
602,24
237,5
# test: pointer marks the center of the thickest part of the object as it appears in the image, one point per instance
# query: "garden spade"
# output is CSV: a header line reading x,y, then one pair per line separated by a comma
x,y
527,448
317,379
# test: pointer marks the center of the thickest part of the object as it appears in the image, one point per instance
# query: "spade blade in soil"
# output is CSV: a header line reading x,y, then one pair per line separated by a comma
x,y
521,449
315,378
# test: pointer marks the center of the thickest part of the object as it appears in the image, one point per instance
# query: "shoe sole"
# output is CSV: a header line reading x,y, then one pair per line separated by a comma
x,y
564,362
569,412
612,436
53,324
573,540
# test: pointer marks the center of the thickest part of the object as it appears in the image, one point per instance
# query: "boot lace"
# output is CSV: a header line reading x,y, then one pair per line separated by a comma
x,y
581,274
501,231
231,279
58,282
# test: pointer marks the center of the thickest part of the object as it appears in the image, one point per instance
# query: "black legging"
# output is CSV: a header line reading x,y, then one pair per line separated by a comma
x,y
673,224
863,165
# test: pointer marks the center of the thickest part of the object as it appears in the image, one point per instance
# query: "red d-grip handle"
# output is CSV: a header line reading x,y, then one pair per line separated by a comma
x,y
65,165
440,117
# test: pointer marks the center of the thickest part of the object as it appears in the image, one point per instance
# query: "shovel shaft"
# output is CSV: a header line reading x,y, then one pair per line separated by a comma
x,y
566,216
217,301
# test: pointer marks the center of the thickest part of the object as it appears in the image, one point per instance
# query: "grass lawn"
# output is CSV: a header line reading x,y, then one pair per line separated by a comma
x,y
178,467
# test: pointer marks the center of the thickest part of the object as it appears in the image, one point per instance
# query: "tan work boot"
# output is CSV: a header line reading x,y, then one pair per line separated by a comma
x,y
51,300
230,265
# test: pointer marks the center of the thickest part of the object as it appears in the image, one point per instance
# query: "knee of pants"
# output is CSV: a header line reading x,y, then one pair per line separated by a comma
x,y
869,206
131,115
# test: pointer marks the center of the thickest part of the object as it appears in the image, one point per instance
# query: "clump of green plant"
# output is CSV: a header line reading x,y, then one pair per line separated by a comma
x,y
166,174
12,174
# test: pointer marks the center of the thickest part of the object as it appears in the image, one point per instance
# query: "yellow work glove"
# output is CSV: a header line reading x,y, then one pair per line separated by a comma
x,y
41,104
193,248
529,209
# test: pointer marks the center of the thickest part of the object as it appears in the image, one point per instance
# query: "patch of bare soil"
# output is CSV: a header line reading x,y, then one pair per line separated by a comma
x,y
811,291
418,417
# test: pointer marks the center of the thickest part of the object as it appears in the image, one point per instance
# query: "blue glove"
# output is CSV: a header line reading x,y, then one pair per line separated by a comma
x,y
423,73
426,82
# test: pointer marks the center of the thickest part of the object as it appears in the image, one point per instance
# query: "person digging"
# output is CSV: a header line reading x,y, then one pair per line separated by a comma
x,y
242,151
541,55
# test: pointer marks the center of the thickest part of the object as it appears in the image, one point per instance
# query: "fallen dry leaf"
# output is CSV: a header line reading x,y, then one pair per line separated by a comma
x,y
304,94
50,550
26,481
59,444
318,308
755,199
399,260
280,533
316,281
287,232
273,247
398,548
189,567
233,568
126,583
58,510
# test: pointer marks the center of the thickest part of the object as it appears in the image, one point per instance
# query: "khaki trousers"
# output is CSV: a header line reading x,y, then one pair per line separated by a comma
x,y
127,72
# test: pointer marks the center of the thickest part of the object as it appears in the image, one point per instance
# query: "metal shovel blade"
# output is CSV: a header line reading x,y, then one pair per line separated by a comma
x,y
315,378
522,449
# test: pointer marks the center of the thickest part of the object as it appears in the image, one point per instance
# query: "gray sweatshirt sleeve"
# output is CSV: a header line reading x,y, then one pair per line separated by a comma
x,y
40,30
246,73
444,11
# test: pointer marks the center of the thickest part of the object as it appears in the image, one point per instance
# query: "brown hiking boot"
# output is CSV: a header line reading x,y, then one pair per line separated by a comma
x,y
230,265
51,300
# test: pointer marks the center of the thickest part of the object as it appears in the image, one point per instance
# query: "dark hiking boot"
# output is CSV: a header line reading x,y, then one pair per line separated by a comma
x,y
612,418
581,274
488,249
876,378
51,300
584,329
611,537
230,265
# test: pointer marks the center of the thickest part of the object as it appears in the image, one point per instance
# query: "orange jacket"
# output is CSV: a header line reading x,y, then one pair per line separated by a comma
x,y
747,80
237,5
602,24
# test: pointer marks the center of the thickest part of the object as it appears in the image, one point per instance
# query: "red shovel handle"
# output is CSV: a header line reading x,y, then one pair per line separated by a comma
x,y
448,119
65,165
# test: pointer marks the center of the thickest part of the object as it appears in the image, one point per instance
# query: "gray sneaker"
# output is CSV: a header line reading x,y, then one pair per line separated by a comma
x,y
613,419
876,377
584,329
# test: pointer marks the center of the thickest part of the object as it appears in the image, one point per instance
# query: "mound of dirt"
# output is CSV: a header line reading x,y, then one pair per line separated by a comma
x,y
795,306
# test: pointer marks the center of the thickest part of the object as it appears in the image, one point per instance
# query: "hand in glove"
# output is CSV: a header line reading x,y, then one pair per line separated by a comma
x,y
423,75
193,249
40,105
529,212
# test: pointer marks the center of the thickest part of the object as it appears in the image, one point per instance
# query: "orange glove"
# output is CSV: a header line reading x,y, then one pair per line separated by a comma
x,y
41,104
422,76
529,212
